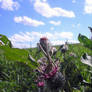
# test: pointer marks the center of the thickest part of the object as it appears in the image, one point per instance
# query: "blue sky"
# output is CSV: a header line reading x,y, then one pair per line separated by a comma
x,y
25,21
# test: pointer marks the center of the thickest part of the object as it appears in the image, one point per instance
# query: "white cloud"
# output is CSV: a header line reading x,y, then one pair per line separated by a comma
x,y
22,37
44,0
76,25
66,35
9,5
29,39
44,9
73,25
21,45
59,42
88,6
28,21
56,23
52,28
73,1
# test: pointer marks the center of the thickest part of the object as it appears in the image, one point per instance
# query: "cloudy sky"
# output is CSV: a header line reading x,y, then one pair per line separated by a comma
x,y
25,21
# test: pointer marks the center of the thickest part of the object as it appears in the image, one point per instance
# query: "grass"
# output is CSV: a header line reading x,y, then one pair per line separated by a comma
x,y
14,54
17,70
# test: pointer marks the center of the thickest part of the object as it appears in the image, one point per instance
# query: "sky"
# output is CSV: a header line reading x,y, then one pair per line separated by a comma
x,y
24,22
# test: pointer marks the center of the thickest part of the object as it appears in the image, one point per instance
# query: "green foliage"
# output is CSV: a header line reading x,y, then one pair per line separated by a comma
x,y
16,77
17,71
86,42
5,40
72,67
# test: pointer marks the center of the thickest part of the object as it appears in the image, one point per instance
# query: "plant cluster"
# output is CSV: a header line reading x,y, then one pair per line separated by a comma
x,y
17,71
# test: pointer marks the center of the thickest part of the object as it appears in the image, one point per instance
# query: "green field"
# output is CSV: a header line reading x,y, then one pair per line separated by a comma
x,y
17,71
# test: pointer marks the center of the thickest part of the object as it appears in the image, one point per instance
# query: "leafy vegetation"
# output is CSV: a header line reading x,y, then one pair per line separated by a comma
x,y
17,71
86,42
5,40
